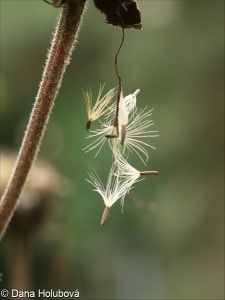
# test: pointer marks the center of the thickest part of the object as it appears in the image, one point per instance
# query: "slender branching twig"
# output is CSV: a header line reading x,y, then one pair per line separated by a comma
x,y
63,42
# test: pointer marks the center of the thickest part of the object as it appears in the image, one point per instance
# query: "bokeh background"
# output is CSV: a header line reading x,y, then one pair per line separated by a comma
x,y
169,241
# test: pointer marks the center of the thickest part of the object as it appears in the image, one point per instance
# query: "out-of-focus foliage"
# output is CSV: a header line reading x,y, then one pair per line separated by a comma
x,y
176,250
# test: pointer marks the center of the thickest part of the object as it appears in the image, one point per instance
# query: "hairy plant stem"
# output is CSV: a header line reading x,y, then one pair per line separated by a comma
x,y
63,42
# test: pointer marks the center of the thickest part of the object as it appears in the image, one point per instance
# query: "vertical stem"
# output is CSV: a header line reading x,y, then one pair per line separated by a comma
x,y
119,82
63,42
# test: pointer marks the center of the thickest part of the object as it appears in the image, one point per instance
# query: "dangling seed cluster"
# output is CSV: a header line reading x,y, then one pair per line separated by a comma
x,y
125,128
129,135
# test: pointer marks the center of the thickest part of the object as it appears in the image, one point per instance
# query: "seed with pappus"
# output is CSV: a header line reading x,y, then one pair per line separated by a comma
x,y
126,171
116,188
126,105
100,107
137,132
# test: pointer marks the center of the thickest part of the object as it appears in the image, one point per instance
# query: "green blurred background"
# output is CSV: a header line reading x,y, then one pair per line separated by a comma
x,y
169,241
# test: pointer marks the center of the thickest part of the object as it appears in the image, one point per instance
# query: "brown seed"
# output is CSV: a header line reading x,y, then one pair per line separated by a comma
x,y
149,173
105,215
123,135
111,136
88,125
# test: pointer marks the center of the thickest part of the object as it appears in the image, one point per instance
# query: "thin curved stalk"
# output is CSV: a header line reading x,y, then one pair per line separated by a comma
x,y
62,44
